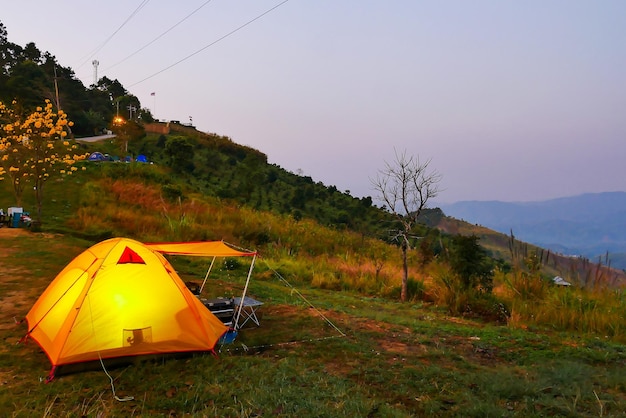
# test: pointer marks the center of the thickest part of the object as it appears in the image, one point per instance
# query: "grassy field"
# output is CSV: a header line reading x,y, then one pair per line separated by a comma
x,y
395,360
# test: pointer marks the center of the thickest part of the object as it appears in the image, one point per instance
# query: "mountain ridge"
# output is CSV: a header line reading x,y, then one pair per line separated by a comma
x,y
588,224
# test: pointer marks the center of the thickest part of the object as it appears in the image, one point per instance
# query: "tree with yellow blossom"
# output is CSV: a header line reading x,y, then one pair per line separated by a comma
x,y
34,148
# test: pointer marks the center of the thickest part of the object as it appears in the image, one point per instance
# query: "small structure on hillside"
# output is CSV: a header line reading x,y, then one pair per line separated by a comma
x,y
559,281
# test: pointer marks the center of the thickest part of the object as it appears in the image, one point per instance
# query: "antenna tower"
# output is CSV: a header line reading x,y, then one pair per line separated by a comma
x,y
95,71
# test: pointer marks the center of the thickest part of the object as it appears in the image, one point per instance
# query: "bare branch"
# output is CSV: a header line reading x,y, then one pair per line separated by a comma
x,y
405,186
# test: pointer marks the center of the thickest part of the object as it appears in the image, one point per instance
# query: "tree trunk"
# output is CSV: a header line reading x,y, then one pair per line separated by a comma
x,y
39,194
405,273
17,191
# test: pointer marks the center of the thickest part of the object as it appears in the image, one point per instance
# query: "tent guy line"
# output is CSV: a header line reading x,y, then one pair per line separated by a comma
x,y
245,348
117,398
293,289
297,292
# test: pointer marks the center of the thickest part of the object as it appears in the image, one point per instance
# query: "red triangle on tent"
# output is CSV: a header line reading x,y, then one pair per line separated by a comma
x,y
130,256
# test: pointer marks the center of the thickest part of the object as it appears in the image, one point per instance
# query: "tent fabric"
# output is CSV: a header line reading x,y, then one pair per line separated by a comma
x,y
199,249
96,156
120,298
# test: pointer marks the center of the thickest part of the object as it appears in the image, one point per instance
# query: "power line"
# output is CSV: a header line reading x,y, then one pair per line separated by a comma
x,y
99,48
160,36
211,44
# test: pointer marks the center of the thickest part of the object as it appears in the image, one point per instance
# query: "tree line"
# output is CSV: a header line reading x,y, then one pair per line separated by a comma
x,y
28,76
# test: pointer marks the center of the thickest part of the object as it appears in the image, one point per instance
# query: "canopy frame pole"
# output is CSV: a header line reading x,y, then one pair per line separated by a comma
x,y
207,274
243,296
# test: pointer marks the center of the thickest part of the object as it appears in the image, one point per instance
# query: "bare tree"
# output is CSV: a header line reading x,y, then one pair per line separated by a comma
x,y
405,186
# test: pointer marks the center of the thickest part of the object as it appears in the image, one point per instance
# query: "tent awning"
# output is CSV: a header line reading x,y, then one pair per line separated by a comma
x,y
199,249
207,249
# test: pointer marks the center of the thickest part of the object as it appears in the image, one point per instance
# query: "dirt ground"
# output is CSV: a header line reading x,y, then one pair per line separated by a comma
x,y
12,232
13,302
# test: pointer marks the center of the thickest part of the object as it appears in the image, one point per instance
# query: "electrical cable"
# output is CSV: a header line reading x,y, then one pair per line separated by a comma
x,y
99,48
211,44
160,36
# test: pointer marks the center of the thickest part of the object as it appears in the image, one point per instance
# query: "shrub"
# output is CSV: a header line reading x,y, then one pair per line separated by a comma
x,y
415,289
486,306
451,290
470,263
172,192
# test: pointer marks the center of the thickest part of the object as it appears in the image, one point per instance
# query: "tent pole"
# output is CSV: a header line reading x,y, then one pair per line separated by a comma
x,y
207,274
243,296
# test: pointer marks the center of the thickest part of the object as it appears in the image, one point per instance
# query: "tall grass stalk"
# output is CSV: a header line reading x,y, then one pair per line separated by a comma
x,y
579,310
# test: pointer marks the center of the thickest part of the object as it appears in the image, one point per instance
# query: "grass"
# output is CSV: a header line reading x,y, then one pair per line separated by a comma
x,y
560,353
396,360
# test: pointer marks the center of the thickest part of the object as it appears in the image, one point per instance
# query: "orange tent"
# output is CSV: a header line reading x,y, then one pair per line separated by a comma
x,y
119,298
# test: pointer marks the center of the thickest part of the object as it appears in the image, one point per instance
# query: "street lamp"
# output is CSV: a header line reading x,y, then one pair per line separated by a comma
x,y
119,122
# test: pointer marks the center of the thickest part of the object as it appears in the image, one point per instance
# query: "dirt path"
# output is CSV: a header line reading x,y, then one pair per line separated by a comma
x,y
12,232
15,303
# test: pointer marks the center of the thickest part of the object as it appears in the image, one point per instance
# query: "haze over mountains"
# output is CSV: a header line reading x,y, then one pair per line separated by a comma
x,y
589,224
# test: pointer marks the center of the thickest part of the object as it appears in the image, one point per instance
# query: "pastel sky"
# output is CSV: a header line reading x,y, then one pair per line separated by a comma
x,y
510,100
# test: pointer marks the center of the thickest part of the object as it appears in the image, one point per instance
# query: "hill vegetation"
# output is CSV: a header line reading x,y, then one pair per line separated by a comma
x,y
484,333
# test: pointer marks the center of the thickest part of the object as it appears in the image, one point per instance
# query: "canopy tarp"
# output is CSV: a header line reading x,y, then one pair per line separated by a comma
x,y
199,249
207,249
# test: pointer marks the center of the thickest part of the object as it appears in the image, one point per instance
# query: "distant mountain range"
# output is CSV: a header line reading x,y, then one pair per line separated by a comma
x,y
589,225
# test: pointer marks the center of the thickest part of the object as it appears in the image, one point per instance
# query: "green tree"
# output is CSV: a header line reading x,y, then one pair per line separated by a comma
x,y
9,53
471,263
28,84
34,149
113,88
180,152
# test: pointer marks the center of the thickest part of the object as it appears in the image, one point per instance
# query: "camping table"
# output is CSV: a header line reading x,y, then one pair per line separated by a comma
x,y
248,309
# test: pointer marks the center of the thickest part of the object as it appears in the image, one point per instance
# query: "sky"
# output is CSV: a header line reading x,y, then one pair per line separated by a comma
x,y
508,100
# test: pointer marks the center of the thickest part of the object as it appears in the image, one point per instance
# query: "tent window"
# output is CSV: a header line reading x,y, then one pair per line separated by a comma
x,y
129,256
133,337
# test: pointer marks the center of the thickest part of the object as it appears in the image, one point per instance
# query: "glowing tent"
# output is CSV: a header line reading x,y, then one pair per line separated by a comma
x,y
119,298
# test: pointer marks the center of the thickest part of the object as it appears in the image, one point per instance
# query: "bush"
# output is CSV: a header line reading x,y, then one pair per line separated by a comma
x,y
415,289
451,290
486,306
172,192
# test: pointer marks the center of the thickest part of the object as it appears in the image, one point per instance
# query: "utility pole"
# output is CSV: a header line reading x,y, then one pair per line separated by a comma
x,y
131,109
56,88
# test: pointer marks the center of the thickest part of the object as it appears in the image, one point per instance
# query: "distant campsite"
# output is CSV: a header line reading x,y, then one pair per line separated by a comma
x,y
97,156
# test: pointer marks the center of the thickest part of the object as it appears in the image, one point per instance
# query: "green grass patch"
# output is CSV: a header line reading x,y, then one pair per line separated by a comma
x,y
396,359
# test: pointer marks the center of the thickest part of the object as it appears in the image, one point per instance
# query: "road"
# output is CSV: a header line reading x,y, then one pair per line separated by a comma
x,y
95,138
